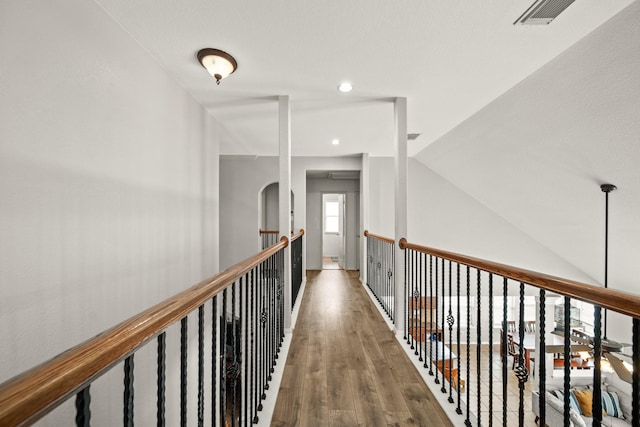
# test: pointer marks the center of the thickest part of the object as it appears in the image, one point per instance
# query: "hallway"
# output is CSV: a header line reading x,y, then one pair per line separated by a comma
x,y
345,368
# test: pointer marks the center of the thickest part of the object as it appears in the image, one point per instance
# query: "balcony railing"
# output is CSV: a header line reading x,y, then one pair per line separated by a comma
x,y
268,238
381,271
457,324
245,310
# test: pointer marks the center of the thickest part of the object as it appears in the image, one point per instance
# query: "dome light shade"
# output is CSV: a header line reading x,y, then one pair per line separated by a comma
x,y
218,63
345,87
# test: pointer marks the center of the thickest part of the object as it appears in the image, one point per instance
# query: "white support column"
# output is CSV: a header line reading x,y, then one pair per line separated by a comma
x,y
284,112
364,216
400,192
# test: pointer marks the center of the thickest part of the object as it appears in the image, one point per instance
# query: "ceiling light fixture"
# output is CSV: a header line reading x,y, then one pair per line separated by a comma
x,y
335,141
218,63
345,87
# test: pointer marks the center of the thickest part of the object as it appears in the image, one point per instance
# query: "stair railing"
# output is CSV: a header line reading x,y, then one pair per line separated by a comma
x,y
246,309
450,313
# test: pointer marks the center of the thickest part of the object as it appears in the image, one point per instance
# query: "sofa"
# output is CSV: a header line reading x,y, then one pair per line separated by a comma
x,y
555,408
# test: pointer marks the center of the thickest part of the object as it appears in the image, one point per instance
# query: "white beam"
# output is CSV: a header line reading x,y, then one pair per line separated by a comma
x,y
284,113
400,193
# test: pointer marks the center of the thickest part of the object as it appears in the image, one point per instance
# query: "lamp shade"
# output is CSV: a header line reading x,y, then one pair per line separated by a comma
x,y
217,62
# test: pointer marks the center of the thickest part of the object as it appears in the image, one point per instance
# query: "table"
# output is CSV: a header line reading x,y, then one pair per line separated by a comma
x,y
529,345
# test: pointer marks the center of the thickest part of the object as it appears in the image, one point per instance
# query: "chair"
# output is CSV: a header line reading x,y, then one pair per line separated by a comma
x,y
512,350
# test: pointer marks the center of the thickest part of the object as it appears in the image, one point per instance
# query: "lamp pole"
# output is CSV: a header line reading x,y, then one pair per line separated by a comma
x,y
606,189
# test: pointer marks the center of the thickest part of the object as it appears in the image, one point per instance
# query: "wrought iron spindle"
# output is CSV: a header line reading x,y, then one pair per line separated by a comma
x,y
201,366
478,342
407,296
504,351
215,360
442,344
161,379
421,306
128,392
183,372
223,358
467,421
542,363
244,318
234,352
450,322
253,318
437,380
635,375
431,318
567,358
458,409
490,357
83,407
414,297
597,373
522,373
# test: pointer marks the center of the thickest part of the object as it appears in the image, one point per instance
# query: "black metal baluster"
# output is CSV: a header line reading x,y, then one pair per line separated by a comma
x,y
635,375
491,349
83,407
450,322
442,368
542,363
567,356
260,332
183,372
223,358
478,346
467,421
214,358
437,380
414,297
421,306
245,356
161,370
597,373
234,353
253,387
504,351
407,295
263,334
431,319
458,409
201,366
521,373
128,391
272,318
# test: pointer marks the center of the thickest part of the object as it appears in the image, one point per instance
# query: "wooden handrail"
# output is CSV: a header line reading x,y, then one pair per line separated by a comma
x,y
268,231
297,235
29,396
375,236
610,299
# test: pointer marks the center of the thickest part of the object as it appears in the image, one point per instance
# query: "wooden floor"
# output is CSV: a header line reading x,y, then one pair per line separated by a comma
x,y
345,367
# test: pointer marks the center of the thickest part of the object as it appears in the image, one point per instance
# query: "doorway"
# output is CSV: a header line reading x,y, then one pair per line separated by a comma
x,y
333,234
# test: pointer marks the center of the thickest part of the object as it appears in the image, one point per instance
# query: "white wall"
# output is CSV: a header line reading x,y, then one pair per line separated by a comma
x,y
381,196
108,191
242,178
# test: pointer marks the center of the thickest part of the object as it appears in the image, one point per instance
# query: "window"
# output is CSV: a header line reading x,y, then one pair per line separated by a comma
x,y
331,217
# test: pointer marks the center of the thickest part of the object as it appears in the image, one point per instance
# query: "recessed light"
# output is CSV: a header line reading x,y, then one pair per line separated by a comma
x,y
345,87
335,141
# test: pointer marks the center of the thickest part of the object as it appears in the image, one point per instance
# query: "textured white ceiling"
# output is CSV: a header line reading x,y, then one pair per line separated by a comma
x,y
449,58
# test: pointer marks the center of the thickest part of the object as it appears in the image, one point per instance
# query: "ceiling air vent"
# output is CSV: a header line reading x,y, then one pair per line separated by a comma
x,y
542,12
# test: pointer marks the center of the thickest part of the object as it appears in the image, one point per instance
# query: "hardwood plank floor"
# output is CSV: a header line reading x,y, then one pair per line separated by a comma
x,y
345,367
